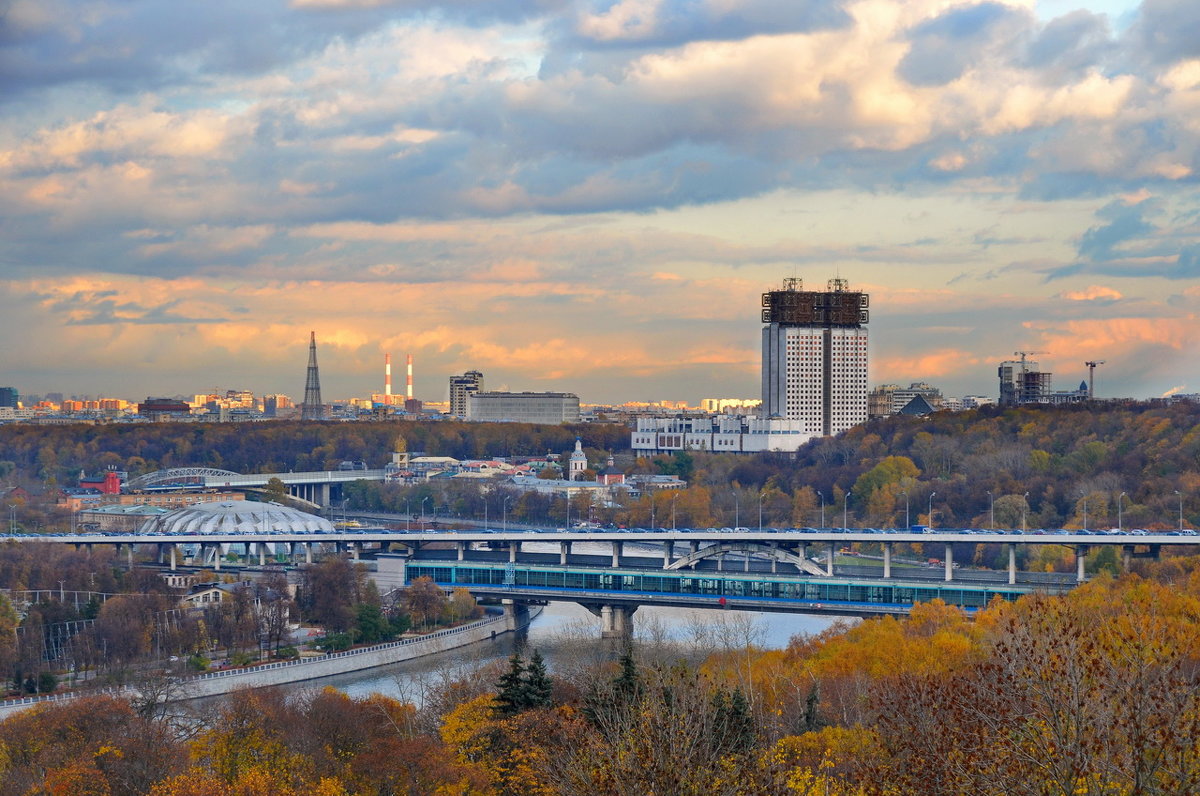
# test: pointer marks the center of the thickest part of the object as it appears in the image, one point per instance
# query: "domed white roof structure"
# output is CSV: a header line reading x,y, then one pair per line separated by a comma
x,y
236,517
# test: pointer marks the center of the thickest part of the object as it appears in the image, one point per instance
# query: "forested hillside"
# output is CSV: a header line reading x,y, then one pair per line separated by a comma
x,y
1060,457
1047,467
60,452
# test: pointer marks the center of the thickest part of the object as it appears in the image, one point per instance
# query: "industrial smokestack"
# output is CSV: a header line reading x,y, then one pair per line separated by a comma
x,y
408,394
387,374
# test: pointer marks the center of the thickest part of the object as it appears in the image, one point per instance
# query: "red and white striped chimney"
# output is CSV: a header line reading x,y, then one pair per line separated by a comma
x,y
409,385
387,374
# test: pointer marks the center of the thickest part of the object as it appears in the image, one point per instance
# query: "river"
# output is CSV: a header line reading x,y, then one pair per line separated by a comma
x,y
567,635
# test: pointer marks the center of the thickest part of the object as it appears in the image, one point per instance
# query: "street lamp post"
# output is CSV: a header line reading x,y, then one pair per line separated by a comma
x,y
907,526
737,512
931,496
505,515
423,511
845,511
1085,514
822,499
1180,496
1120,510
991,511
12,518
760,512
674,497
407,516
485,519
1024,508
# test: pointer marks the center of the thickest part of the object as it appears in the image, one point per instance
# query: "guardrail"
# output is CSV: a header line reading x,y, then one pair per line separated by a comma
x,y
345,653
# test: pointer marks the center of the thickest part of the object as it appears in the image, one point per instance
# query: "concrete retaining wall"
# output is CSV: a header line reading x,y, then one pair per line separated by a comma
x,y
284,672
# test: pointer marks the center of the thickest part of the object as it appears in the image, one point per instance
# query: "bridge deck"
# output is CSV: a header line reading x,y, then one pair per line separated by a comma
x,y
703,589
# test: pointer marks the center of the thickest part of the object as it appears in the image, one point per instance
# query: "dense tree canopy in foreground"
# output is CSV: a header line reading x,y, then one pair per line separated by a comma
x,y
1097,692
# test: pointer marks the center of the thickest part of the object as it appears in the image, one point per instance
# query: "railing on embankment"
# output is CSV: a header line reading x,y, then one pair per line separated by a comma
x,y
283,672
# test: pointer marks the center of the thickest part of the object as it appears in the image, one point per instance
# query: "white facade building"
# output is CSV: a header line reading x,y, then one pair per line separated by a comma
x,y
724,433
814,357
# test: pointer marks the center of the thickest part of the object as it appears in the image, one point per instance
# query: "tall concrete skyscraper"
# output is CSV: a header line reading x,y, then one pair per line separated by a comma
x,y
814,356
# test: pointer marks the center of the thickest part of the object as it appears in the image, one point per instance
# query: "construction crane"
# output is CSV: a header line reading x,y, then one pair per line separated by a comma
x,y
1091,366
1023,354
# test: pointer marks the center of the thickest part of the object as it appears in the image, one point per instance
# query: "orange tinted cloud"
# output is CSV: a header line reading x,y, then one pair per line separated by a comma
x,y
1092,293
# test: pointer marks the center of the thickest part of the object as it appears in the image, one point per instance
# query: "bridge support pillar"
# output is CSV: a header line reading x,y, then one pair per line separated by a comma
x,y
616,621
1126,557
949,562
564,550
354,550
307,552
514,549
693,546
516,614
887,559
1080,558
325,494
746,562
129,554
617,549
172,557
829,562
262,553
460,548
668,552
720,562
217,557
1012,564
161,553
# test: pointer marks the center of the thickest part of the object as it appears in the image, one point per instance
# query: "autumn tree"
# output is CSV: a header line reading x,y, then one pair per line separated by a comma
x,y
424,600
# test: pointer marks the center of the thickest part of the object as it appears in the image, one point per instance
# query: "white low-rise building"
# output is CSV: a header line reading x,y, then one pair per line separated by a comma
x,y
724,433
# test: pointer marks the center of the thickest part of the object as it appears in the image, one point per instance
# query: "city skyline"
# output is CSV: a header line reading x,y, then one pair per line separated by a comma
x,y
592,197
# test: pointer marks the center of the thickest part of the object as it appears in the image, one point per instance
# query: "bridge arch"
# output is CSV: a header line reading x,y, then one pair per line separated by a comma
x,y
751,549
176,475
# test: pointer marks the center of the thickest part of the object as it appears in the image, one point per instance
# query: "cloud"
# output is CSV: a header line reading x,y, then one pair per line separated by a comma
x,y
1092,293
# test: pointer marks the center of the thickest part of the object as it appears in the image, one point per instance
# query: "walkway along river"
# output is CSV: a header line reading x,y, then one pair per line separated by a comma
x,y
284,672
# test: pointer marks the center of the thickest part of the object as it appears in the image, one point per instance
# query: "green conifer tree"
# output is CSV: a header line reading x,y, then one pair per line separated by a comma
x,y
510,697
538,690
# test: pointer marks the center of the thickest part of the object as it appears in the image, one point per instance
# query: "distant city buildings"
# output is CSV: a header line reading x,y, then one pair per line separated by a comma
x,y
814,356
9,398
729,406
891,399
163,408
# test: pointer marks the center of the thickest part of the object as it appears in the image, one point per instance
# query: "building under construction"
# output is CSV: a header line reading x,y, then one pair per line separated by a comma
x,y
1023,382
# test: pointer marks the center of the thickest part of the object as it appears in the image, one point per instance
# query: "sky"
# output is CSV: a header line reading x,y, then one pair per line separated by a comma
x,y
591,196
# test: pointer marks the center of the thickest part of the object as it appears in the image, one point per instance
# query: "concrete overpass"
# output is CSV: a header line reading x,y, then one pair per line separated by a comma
x,y
782,551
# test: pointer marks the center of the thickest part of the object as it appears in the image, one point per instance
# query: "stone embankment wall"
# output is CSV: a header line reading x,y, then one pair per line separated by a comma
x,y
284,672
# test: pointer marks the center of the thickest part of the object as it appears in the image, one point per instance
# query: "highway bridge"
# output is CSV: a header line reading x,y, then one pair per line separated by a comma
x,y
792,551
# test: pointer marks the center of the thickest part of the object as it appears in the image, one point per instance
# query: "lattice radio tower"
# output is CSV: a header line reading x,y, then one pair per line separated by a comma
x,y
312,408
